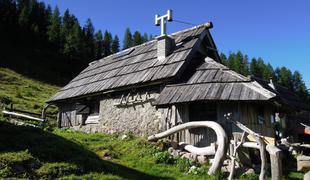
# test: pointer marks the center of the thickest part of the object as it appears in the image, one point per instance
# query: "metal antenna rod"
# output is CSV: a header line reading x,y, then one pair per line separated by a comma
x,y
161,20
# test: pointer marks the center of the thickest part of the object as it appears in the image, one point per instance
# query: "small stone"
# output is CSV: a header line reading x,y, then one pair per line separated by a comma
x,y
307,176
186,155
193,157
123,137
249,171
202,159
170,150
181,153
175,153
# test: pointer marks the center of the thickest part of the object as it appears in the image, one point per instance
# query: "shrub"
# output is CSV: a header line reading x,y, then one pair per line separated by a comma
x,y
54,170
4,99
184,164
164,157
17,164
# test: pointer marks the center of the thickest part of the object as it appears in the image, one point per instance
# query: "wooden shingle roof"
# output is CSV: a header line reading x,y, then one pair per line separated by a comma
x,y
133,66
214,81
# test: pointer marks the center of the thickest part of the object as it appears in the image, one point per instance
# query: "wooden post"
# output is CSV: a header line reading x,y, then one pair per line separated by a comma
x,y
275,161
262,150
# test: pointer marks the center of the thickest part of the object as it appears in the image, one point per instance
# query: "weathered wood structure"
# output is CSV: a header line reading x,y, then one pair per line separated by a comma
x,y
135,90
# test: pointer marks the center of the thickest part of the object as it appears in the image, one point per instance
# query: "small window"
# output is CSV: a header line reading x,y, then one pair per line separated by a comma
x,y
94,108
202,112
261,116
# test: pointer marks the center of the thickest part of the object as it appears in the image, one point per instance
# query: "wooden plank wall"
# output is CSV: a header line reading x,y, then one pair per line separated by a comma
x,y
68,117
245,113
199,137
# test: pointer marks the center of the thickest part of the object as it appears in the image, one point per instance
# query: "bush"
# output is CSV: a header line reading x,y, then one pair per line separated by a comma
x,y
164,157
17,164
54,170
184,164
4,99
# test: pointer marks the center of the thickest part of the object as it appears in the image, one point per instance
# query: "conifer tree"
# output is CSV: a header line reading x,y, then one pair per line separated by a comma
x,y
107,43
137,38
145,38
268,72
285,78
223,58
299,85
128,42
115,44
89,42
53,30
99,45
254,68
73,42
24,16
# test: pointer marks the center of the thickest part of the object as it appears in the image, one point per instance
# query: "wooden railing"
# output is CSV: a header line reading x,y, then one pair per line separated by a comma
x,y
22,114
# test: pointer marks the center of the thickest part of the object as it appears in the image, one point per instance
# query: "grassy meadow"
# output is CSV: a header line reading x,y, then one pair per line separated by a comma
x,y
33,153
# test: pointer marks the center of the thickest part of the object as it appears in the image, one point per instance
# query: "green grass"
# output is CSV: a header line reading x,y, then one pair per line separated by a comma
x,y
25,93
31,153
71,155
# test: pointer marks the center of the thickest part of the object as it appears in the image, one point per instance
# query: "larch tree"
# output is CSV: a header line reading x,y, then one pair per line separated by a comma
x,y
128,42
99,45
137,38
107,43
145,38
89,42
115,44
53,30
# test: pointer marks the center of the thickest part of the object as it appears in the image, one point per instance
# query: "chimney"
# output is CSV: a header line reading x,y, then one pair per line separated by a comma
x,y
164,46
164,42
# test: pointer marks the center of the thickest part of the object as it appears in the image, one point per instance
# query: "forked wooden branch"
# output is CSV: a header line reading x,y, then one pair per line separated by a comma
x,y
233,157
261,143
222,141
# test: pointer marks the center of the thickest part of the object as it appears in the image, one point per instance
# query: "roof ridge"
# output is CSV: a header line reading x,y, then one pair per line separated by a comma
x,y
207,24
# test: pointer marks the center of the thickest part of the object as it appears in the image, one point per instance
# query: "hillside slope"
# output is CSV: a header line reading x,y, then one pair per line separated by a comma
x,y
28,152
25,93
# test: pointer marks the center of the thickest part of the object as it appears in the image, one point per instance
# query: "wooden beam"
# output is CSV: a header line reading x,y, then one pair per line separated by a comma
x,y
222,141
22,115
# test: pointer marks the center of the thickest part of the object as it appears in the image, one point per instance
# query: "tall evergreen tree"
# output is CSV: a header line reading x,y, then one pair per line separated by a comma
x,y
115,44
99,45
145,38
24,15
268,72
68,22
53,30
128,42
107,42
223,58
73,42
285,78
89,41
137,38
255,69
299,85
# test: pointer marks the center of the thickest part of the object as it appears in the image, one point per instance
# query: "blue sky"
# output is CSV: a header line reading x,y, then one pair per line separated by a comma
x,y
278,30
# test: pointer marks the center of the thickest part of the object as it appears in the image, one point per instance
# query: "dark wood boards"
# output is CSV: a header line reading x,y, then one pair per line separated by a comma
x,y
132,66
214,81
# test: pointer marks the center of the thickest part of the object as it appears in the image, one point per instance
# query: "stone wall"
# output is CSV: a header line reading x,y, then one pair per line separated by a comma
x,y
138,116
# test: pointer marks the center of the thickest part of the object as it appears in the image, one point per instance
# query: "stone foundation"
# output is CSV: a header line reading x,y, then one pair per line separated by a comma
x,y
138,117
